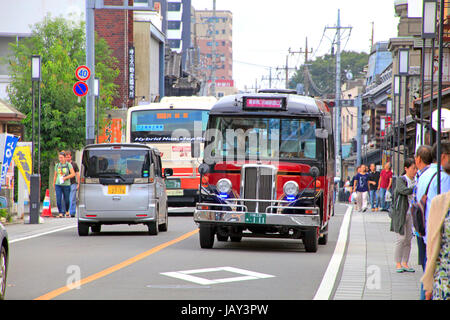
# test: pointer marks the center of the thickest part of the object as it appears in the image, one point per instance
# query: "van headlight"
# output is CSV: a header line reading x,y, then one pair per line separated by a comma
x,y
290,188
224,186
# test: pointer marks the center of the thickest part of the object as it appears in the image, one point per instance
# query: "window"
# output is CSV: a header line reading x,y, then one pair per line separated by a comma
x,y
174,25
174,6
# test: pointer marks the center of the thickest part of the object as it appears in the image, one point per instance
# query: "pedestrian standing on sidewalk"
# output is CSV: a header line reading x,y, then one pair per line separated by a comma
x,y
74,184
436,278
429,178
401,219
374,177
361,187
61,183
423,161
384,185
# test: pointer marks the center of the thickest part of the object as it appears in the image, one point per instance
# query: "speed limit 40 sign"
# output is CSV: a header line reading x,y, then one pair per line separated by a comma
x,y
83,73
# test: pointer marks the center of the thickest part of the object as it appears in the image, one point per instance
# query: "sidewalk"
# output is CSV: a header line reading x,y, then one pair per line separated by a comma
x,y
368,272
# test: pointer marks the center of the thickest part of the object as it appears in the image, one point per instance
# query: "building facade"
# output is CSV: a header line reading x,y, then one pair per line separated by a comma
x,y
220,63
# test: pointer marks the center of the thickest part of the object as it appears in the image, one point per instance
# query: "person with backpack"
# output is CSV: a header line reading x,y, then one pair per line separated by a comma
x,y
61,182
427,186
401,220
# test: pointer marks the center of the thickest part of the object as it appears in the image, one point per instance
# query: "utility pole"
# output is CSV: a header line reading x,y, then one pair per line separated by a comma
x,y
213,52
91,6
338,94
305,69
286,69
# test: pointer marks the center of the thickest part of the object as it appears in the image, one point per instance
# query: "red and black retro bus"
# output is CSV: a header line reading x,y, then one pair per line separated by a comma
x,y
268,169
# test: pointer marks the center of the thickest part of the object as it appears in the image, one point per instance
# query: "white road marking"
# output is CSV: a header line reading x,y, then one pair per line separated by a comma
x,y
187,275
41,234
329,279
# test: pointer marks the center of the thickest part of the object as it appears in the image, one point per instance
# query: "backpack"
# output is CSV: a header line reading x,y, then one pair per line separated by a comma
x,y
418,210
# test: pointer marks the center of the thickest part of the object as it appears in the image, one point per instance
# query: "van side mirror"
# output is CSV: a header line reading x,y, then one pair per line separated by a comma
x,y
195,149
168,172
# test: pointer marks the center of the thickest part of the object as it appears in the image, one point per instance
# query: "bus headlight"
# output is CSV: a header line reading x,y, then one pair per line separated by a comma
x,y
290,188
224,186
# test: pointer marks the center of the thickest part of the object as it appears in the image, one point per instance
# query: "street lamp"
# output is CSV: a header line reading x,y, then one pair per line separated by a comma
x,y
397,91
439,102
403,70
429,19
35,179
428,32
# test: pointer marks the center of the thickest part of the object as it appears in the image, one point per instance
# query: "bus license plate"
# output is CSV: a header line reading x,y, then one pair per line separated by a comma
x,y
256,218
114,189
175,192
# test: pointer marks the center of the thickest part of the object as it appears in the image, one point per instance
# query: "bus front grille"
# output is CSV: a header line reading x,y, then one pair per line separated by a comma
x,y
258,183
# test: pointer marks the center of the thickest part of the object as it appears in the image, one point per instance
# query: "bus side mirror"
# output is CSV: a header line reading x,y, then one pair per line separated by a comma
x,y
203,169
322,133
314,171
195,149
168,172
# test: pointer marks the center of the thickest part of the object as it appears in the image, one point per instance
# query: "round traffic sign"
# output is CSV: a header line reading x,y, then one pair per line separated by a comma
x,y
82,73
80,89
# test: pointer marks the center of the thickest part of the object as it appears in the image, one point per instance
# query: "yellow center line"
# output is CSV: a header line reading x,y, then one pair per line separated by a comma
x,y
108,271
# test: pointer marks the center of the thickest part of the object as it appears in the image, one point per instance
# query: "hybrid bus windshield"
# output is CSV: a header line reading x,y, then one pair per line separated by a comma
x,y
163,126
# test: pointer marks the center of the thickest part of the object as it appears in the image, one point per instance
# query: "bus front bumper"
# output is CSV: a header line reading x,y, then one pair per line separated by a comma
x,y
203,215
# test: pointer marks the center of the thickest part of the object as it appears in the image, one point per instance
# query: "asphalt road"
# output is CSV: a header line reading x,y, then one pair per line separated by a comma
x,y
124,262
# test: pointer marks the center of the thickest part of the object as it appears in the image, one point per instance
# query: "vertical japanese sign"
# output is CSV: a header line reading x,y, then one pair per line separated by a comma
x,y
10,146
22,159
112,133
131,73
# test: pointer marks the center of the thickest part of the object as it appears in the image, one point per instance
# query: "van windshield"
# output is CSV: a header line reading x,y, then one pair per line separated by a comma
x,y
116,163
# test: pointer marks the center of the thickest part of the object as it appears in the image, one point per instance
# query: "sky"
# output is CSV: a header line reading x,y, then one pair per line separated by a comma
x,y
264,31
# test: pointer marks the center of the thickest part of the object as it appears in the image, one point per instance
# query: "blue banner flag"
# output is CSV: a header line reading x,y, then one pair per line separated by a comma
x,y
10,146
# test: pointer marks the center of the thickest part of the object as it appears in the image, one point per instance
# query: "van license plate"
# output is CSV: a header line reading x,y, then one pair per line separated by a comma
x,y
175,192
256,218
113,189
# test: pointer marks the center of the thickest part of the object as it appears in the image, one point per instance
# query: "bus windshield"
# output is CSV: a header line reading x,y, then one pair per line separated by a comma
x,y
265,138
168,126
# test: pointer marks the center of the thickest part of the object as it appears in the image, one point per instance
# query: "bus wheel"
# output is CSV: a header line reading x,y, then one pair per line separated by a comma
x,y
206,236
323,240
310,240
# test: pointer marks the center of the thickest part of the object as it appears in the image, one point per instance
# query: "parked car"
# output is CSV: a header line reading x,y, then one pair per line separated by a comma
x,y
122,184
4,250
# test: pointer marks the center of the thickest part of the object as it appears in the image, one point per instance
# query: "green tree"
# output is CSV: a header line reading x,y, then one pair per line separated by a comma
x,y
61,45
323,71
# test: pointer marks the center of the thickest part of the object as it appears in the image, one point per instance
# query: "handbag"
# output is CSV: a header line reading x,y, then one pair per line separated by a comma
x,y
418,210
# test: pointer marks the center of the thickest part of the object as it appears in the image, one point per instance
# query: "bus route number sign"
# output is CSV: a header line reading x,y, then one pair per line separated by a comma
x,y
83,73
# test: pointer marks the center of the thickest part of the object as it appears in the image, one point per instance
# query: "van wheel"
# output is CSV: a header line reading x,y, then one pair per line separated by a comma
x,y
96,228
310,240
83,229
3,270
153,228
206,236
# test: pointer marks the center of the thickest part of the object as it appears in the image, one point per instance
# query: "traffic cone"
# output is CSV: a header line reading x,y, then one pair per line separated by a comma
x,y
47,211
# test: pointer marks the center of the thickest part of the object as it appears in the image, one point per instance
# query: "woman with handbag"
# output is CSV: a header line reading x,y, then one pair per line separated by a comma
x,y
401,220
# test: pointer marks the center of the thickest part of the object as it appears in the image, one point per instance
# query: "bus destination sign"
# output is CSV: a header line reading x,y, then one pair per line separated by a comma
x,y
253,103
